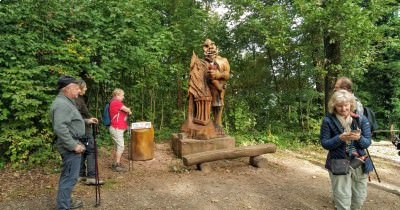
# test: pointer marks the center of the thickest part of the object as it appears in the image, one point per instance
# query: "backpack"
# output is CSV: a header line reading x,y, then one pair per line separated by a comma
x,y
106,115
370,115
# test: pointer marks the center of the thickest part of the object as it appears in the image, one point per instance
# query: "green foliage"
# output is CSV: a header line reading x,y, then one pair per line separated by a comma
x,y
141,46
25,133
380,88
284,140
164,135
276,49
242,117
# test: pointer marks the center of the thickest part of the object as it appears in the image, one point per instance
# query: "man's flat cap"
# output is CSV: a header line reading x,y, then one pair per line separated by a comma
x,y
66,80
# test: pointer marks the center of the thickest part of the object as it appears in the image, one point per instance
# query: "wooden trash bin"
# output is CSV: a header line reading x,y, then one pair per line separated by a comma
x,y
142,141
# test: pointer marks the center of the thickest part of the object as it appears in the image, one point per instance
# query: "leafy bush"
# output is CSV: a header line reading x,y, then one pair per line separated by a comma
x,y
243,119
25,135
290,140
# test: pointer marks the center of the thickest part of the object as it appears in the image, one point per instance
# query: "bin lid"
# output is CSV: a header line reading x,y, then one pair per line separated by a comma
x,y
140,125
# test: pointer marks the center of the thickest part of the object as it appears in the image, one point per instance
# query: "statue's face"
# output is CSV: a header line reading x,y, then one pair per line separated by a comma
x,y
210,50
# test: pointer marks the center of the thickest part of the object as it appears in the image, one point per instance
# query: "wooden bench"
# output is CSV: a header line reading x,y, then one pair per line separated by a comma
x,y
248,151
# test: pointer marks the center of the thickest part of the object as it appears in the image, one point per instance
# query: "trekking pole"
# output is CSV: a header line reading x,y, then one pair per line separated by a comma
x,y
373,166
129,144
94,127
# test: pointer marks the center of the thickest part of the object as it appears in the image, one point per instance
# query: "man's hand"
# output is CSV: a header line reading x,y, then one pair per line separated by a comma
x,y
79,148
92,120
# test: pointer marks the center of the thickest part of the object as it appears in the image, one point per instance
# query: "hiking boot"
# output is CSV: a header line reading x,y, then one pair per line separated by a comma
x,y
92,181
117,167
75,204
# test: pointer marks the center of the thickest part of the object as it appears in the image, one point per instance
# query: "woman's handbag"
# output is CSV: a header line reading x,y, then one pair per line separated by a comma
x,y
340,166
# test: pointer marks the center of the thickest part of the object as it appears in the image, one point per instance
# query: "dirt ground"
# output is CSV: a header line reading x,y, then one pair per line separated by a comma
x,y
289,180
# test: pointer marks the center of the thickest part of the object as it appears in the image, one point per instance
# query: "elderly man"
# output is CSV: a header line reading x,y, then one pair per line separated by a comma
x,y
69,126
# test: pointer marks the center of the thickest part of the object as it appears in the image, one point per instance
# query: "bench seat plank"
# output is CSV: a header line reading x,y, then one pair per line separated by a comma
x,y
213,155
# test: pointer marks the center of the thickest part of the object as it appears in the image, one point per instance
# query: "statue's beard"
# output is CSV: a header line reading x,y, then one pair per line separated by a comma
x,y
210,55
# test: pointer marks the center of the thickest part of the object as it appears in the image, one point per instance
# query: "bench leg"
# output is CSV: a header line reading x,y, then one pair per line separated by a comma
x,y
258,161
204,167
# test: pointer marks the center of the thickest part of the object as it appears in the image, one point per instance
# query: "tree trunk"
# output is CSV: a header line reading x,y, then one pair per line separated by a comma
x,y
333,59
162,115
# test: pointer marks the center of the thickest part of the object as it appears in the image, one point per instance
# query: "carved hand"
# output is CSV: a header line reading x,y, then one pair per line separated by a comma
x,y
214,74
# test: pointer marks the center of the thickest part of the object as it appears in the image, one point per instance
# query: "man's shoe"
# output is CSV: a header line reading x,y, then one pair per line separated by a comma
x,y
117,167
75,204
92,181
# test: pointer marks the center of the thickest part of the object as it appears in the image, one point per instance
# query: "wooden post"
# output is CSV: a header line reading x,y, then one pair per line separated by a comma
x,y
391,132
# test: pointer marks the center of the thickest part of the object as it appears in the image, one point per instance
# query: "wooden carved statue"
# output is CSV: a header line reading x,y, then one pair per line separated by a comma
x,y
207,84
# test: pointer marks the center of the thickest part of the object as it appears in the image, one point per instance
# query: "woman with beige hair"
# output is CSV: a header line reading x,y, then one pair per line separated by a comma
x,y
119,123
346,136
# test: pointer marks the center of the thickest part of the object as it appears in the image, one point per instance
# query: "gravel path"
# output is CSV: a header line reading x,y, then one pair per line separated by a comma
x,y
385,150
289,180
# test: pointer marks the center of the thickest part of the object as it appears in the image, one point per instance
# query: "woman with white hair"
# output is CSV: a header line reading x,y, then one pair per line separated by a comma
x,y
346,135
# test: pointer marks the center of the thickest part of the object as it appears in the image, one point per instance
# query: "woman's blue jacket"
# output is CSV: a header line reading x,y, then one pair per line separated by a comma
x,y
329,137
